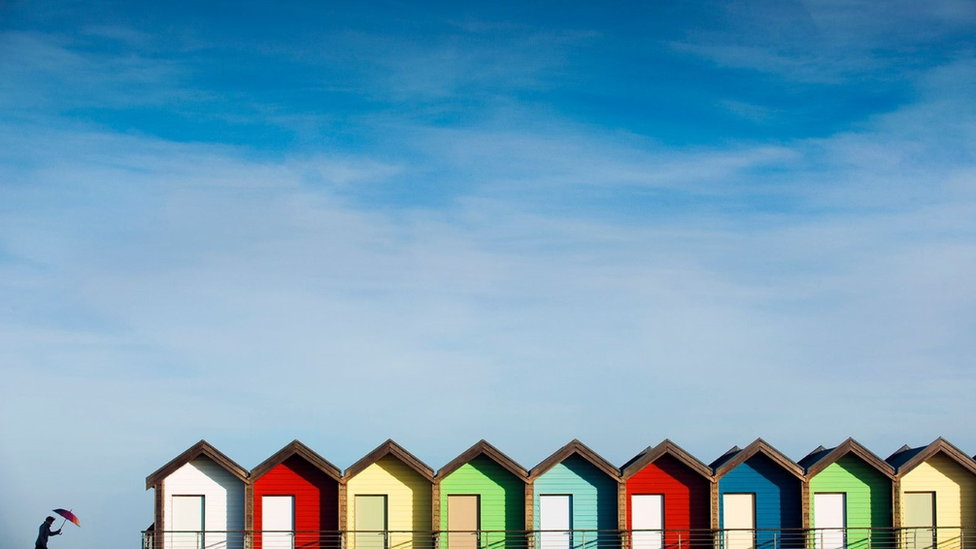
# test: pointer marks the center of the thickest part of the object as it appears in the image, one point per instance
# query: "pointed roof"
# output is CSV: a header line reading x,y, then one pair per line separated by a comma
x,y
574,447
482,447
905,459
733,458
816,454
665,447
821,458
296,448
390,448
729,454
202,448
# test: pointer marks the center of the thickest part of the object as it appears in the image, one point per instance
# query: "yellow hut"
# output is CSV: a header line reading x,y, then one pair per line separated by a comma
x,y
387,500
936,504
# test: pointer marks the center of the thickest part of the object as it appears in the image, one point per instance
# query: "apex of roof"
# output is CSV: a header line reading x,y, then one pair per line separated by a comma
x,y
483,447
665,447
202,448
296,448
758,446
574,447
399,452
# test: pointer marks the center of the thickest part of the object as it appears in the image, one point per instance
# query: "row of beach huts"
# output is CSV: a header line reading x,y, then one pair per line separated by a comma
x,y
844,497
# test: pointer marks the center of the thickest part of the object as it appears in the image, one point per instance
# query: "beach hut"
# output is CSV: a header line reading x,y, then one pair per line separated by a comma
x,y
199,500
295,500
388,500
574,489
936,496
668,490
758,494
480,500
850,497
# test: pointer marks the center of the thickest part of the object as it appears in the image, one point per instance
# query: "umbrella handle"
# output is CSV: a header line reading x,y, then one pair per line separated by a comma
x,y
64,521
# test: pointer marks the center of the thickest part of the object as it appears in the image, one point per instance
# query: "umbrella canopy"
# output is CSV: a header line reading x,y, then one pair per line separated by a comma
x,y
68,515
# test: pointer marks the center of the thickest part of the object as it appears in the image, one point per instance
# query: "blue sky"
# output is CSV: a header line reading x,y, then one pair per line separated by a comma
x,y
526,223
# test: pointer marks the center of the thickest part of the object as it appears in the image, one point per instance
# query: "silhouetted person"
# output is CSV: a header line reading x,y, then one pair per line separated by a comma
x,y
44,532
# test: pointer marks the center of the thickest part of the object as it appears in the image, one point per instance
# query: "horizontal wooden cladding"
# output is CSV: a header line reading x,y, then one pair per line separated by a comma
x,y
316,496
687,497
408,495
594,493
778,495
502,494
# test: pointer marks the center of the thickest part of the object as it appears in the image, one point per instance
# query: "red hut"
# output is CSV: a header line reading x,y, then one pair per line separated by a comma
x,y
668,498
295,500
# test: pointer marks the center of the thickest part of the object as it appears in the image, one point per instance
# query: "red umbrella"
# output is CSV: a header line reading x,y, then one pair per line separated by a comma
x,y
68,515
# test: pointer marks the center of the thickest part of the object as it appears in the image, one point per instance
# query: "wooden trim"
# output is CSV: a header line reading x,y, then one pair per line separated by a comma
x,y
296,448
938,445
622,506
435,507
759,446
851,446
483,447
202,448
159,524
666,447
248,507
343,505
715,505
896,503
529,508
575,447
390,448
805,504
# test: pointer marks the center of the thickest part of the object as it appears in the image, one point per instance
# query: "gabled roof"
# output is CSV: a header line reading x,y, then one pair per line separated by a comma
x,y
821,458
390,448
905,459
649,455
735,457
296,448
482,447
574,447
729,454
202,448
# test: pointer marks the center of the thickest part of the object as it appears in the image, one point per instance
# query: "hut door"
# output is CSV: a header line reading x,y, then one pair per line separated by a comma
x,y
647,513
919,520
739,520
187,525
278,522
371,522
462,522
830,520
555,514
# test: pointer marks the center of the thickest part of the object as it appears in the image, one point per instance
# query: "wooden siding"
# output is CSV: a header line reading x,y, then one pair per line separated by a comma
x,y
223,500
955,494
778,498
408,500
686,498
869,502
502,499
316,500
594,498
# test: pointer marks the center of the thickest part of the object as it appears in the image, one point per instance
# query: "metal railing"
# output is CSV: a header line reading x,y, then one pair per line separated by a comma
x,y
812,538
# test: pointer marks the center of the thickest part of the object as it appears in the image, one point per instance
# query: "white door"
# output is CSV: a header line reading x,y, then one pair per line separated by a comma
x,y
555,514
187,524
919,520
829,521
739,520
647,513
278,522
